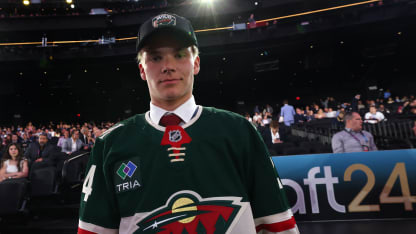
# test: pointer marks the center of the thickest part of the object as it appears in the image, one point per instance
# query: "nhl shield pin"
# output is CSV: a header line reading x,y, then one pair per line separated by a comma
x,y
175,136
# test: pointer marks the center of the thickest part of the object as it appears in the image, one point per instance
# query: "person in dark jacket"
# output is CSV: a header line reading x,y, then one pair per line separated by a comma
x,y
354,103
40,151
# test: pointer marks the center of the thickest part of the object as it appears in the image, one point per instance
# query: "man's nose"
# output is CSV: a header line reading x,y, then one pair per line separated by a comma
x,y
168,64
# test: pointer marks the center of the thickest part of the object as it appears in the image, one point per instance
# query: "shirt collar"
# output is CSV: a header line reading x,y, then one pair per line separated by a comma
x,y
184,111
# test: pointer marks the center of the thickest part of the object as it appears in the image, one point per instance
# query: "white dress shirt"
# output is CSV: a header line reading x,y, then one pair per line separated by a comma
x,y
74,145
274,136
184,111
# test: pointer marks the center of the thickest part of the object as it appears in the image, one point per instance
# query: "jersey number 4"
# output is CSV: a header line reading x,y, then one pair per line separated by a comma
x,y
87,186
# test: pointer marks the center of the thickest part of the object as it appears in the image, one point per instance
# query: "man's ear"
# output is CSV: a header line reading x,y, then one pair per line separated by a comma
x,y
142,73
197,67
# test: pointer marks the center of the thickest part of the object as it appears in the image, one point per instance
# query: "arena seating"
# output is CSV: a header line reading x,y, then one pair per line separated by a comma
x,y
43,181
15,202
73,171
391,134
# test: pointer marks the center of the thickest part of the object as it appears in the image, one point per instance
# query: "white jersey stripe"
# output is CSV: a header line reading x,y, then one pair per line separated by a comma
x,y
95,228
276,218
294,230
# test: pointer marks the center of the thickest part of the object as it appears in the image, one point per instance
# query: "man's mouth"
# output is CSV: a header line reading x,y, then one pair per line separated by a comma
x,y
169,81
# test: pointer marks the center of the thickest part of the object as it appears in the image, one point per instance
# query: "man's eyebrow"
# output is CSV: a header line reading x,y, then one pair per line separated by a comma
x,y
152,51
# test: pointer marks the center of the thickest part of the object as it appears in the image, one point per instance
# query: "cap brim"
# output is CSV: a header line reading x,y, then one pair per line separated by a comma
x,y
168,32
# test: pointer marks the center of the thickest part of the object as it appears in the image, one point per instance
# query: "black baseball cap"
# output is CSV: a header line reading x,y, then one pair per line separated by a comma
x,y
166,23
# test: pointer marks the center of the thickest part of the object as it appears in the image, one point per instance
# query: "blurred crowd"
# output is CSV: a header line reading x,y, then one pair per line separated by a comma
x,y
31,147
372,110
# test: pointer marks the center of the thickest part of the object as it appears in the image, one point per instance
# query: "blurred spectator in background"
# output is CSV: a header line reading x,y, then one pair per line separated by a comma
x,y
310,115
251,21
299,116
41,151
288,113
257,116
373,116
7,140
354,103
266,119
83,134
332,103
97,132
90,141
384,110
256,109
25,142
63,138
72,144
339,120
408,105
15,139
248,118
387,94
13,164
320,115
268,109
353,138
271,135
331,113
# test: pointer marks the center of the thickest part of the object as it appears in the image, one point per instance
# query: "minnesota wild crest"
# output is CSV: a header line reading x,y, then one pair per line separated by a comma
x,y
187,212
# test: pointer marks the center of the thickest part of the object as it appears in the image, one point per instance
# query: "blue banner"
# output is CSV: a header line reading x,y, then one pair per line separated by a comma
x,y
365,185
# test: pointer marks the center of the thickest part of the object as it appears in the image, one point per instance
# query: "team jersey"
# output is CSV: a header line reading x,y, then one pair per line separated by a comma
x,y
211,175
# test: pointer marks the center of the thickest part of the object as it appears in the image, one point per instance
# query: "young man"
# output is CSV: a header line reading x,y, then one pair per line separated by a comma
x,y
169,170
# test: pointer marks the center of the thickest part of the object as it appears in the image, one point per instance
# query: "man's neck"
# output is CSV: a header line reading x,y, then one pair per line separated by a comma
x,y
171,105
352,130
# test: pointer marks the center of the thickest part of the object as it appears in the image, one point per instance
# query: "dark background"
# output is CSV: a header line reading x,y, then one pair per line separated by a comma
x,y
334,53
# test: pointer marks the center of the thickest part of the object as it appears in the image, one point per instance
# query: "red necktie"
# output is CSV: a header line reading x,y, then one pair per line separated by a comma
x,y
169,120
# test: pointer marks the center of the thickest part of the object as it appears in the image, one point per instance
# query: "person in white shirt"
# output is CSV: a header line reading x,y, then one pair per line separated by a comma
x,y
13,164
72,144
168,61
373,116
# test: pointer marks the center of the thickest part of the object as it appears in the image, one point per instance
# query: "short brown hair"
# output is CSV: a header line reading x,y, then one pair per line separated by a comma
x,y
274,124
194,49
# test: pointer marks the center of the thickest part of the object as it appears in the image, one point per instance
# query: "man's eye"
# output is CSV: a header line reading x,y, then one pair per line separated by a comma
x,y
156,58
181,54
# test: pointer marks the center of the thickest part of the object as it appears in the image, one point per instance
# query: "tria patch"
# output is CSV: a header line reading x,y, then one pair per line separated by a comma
x,y
175,136
187,212
163,20
126,170
127,175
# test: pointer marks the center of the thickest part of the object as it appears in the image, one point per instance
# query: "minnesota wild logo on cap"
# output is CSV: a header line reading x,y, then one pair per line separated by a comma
x,y
163,20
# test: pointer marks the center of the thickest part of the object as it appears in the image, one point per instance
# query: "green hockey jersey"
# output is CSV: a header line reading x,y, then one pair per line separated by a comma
x,y
211,175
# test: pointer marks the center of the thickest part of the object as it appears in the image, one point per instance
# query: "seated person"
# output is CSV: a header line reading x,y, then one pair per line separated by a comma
x,y
339,120
63,138
271,135
373,116
41,151
300,117
320,114
353,138
331,113
73,143
13,164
